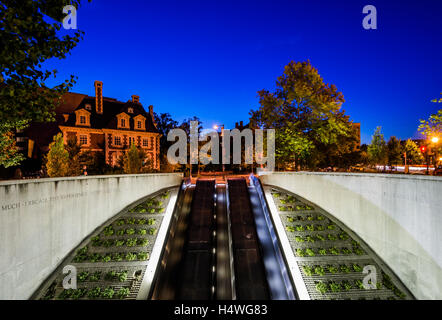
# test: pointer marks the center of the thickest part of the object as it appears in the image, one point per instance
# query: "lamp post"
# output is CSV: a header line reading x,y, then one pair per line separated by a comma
x,y
434,141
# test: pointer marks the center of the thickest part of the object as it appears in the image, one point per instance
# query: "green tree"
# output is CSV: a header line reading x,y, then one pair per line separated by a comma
x,y
57,164
9,154
29,36
165,123
394,151
377,150
414,155
308,107
133,160
433,128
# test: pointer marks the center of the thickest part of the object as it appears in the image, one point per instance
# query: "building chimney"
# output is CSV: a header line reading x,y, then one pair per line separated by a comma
x,y
98,97
135,99
241,124
236,124
152,116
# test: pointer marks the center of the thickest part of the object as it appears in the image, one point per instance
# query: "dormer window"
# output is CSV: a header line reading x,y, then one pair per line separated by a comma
x,y
88,107
82,118
130,110
140,122
123,120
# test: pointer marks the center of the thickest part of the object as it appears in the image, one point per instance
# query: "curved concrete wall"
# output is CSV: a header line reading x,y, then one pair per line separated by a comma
x,y
398,216
41,221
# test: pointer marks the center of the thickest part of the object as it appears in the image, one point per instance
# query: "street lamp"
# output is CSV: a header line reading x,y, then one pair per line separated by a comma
x,y
435,139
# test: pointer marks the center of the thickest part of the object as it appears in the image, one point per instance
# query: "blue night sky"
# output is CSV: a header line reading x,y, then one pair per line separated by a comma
x,y
209,58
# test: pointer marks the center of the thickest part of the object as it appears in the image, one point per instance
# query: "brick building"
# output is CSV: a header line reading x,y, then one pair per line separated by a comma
x,y
99,124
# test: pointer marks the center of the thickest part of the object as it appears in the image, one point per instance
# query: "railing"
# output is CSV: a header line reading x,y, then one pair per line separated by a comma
x,y
275,284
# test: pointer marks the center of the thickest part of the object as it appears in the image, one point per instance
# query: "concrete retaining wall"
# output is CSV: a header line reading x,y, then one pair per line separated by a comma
x,y
41,221
398,216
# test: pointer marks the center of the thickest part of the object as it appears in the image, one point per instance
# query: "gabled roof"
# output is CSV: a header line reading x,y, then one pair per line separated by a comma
x,y
107,120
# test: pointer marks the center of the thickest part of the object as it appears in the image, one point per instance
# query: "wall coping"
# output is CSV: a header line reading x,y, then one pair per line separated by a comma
x,y
353,174
42,180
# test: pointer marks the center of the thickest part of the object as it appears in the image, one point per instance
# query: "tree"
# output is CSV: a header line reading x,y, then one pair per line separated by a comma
x,y
74,150
29,35
9,154
414,155
57,164
394,151
306,112
377,150
433,128
133,160
165,123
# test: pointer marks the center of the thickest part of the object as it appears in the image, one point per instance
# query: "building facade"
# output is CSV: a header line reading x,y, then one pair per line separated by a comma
x,y
100,124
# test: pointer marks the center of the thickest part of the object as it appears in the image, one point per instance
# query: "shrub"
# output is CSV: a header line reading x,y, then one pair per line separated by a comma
x,y
335,287
142,231
299,228
96,241
152,231
152,210
333,250
310,227
343,236
310,252
332,269
130,221
358,251
120,222
94,293
282,208
331,226
131,256
78,293
319,227
131,242
320,237
320,218
118,256
142,242
346,285
310,239
123,293
96,276
322,251
310,218
108,231
141,221
357,268
107,258
143,256
291,219
344,268
321,287
65,294
121,232
358,284
307,270
161,210
82,277
319,270
300,253
96,257
120,242
346,251
290,228
332,237
108,293
130,231
151,222
299,239
108,243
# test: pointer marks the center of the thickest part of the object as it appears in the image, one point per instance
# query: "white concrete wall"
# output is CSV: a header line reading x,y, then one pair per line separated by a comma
x,y
42,220
398,216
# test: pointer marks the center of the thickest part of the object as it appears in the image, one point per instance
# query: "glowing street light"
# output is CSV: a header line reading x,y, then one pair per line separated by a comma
x,y
435,139
215,127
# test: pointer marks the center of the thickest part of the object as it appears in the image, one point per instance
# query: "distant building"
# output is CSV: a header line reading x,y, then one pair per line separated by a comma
x,y
98,124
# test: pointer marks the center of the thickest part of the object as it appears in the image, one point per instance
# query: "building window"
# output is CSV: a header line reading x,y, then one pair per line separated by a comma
x,y
83,139
131,141
82,120
117,141
130,110
145,142
138,124
88,107
123,123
